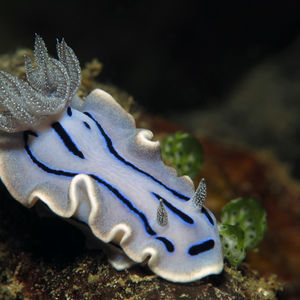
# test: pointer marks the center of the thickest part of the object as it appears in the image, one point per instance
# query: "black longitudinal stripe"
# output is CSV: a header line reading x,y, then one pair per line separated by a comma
x,y
99,180
119,157
202,247
127,203
168,244
204,211
175,210
69,111
38,163
87,125
67,140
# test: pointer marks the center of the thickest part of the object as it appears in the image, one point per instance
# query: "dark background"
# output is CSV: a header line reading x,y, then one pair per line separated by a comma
x,y
169,55
175,56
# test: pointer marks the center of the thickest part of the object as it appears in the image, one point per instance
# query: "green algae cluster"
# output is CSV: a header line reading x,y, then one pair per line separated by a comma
x,y
183,151
233,242
243,225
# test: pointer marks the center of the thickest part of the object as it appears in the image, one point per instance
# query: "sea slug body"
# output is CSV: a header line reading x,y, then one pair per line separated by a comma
x,y
86,160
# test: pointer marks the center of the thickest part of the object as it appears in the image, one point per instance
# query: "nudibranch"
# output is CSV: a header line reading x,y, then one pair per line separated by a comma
x,y
85,159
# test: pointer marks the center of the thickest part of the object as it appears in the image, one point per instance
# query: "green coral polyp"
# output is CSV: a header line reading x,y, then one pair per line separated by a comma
x,y
183,151
243,224
233,238
249,215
